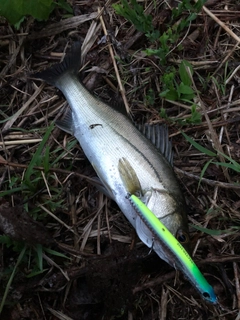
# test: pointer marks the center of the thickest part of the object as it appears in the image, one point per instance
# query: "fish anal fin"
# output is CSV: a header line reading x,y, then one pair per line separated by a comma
x,y
100,186
118,105
103,187
66,124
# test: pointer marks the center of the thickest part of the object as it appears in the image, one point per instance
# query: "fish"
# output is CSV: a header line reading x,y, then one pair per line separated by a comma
x,y
182,259
114,145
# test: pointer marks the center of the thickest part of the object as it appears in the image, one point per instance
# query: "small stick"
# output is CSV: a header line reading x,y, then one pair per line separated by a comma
x,y
212,183
12,119
56,170
14,142
223,25
237,285
121,88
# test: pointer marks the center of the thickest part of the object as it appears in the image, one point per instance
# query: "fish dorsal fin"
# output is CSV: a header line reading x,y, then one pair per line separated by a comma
x,y
70,64
66,124
119,106
158,135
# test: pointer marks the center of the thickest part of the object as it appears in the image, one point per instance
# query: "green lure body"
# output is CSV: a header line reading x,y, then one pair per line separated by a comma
x,y
183,261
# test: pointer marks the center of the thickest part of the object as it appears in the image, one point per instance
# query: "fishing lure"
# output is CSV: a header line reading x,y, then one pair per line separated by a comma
x,y
183,261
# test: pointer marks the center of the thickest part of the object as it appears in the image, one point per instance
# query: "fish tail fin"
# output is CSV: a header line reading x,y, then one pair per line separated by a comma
x,y
70,65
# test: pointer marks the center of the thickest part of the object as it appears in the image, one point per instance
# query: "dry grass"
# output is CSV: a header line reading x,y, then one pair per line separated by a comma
x,y
110,273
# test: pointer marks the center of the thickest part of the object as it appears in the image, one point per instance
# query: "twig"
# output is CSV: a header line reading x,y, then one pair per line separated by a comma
x,y
63,25
224,60
56,170
100,11
221,259
164,303
223,25
121,88
212,183
155,282
56,218
11,121
15,142
53,263
236,274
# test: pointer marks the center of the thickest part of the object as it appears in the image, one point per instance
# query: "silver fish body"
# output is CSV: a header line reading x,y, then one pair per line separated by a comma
x,y
107,136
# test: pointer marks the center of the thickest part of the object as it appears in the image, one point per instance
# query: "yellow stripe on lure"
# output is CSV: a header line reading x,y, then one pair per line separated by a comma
x,y
183,261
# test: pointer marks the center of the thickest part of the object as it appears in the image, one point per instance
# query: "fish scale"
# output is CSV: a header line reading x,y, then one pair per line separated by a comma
x,y
106,136
109,148
123,158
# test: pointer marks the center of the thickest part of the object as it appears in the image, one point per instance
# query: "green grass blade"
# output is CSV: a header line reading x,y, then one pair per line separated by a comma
x,y
198,146
70,145
213,232
236,165
36,273
9,192
20,257
46,158
37,154
39,251
203,171
228,165
55,253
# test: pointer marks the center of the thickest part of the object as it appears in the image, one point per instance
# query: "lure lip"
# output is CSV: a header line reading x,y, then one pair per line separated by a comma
x,y
183,261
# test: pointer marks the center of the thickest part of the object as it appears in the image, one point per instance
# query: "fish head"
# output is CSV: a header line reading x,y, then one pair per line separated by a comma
x,y
170,212
165,207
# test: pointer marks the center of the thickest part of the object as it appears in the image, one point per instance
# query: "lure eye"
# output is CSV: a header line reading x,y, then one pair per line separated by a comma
x,y
206,295
182,237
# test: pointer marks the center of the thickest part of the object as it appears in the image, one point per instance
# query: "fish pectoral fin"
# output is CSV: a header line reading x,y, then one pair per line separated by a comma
x,y
129,176
117,104
66,124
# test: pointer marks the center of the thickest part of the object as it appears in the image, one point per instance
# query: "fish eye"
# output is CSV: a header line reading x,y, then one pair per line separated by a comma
x,y
182,237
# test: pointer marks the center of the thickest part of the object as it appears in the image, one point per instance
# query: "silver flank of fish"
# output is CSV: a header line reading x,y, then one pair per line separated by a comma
x,y
107,136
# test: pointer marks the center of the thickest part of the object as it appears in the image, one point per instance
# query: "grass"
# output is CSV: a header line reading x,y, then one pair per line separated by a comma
x,y
176,83
178,67
231,164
